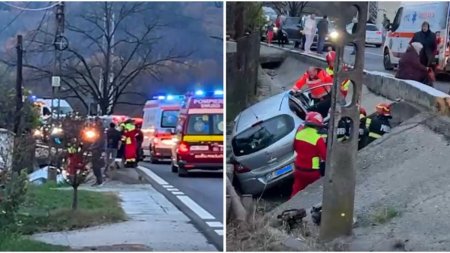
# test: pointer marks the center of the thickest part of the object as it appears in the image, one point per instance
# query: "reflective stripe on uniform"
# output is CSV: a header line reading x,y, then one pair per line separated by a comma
x,y
368,122
310,136
128,140
345,85
329,71
374,135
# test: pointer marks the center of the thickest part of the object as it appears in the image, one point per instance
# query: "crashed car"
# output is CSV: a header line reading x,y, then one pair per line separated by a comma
x,y
40,176
262,140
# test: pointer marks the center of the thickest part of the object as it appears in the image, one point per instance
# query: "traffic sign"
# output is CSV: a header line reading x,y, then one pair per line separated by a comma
x,y
61,43
56,81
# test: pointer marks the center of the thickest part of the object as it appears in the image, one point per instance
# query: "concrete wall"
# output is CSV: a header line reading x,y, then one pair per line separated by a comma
x,y
242,72
6,148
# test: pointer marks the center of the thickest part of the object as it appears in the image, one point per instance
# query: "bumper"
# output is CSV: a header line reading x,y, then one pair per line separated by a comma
x,y
162,152
200,166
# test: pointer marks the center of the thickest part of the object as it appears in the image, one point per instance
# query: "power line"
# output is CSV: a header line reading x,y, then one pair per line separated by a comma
x,y
30,9
14,19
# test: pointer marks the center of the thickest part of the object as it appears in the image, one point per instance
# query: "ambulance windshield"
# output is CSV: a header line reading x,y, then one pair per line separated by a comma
x,y
205,124
169,119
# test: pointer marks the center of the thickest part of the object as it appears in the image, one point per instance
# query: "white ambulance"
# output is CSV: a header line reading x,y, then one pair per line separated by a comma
x,y
408,20
158,125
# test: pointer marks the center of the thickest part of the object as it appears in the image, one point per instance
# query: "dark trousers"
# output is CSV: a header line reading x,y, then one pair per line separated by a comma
x,y
97,167
320,44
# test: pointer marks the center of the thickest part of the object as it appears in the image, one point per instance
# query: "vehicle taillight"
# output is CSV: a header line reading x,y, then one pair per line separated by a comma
x,y
155,140
183,148
378,32
239,168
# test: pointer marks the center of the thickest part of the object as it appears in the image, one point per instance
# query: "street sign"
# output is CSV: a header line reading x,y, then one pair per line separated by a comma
x,y
61,43
56,81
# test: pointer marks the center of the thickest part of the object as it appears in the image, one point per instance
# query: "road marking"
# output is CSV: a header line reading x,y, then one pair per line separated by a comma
x,y
153,176
167,186
178,193
219,232
214,224
202,213
173,189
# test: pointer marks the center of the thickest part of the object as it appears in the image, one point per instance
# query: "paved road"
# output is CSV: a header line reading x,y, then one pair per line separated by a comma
x,y
374,61
200,196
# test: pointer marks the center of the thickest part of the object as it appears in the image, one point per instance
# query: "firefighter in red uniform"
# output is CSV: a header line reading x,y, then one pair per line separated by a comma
x,y
330,57
311,152
130,144
314,79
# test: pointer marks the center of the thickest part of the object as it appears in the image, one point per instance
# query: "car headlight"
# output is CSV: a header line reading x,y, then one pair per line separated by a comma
x,y
334,35
275,29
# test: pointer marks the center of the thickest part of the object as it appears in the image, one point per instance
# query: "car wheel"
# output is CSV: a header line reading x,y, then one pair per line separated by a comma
x,y
174,168
387,61
182,172
296,44
378,45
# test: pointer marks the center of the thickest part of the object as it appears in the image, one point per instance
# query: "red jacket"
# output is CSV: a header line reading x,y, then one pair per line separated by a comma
x,y
309,144
322,78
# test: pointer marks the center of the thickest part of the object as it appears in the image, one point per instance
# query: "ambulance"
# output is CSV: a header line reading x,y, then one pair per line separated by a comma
x,y
408,20
158,126
199,134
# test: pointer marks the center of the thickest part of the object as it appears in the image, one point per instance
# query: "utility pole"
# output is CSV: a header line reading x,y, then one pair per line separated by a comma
x,y
19,88
339,181
60,44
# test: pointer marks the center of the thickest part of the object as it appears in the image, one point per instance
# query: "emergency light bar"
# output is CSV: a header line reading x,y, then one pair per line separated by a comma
x,y
201,93
169,97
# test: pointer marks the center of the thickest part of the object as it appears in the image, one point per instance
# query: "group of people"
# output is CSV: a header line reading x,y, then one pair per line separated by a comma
x,y
310,139
124,142
417,63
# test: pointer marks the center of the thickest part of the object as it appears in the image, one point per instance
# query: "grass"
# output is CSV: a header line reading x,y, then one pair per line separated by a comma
x,y
384,214
49,210
16,242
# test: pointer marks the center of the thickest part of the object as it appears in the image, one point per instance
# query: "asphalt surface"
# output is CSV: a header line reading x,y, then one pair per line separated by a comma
x,y
374,61
199,196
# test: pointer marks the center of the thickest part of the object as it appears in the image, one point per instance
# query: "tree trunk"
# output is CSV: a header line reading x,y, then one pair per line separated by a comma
x,y
236,206
75,198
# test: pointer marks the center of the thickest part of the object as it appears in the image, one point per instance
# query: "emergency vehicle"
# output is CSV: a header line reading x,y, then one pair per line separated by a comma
x,y
45,106
158,126
200,134
408,20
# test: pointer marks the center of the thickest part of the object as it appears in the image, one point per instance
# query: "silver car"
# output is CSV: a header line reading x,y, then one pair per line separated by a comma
x,y
262,142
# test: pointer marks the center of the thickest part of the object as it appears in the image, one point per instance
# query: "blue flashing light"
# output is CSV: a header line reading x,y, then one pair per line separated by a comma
x,y
218,93
161,97
199,93
169,97
33,98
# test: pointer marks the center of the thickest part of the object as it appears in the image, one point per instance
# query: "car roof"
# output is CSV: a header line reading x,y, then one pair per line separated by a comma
x,y
263,110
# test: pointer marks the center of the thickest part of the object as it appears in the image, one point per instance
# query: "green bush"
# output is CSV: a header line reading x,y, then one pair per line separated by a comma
x,y
13,188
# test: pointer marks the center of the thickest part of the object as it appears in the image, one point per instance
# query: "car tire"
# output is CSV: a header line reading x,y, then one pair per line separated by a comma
x,y
296,44
378,45
182,172
174,168
387,61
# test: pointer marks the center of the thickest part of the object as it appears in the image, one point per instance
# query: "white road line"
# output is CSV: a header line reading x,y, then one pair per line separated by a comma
x,y
178,193
153,176
219,232
202,213
214,224
167,186
173,189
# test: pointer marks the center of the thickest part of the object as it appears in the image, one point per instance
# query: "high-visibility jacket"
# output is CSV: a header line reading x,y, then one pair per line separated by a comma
x,y
378,126
345,85
322,78
130,143
310,148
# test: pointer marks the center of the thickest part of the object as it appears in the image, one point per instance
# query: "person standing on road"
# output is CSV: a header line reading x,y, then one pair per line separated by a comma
x,y
428,40
380,124
310,32
113,137
410,67
311,153
385,24
322,30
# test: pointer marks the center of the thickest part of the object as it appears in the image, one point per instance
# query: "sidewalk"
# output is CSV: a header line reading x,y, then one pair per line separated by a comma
x,y
154,224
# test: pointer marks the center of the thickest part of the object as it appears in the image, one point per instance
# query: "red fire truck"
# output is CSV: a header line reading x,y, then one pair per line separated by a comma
x,y
200,134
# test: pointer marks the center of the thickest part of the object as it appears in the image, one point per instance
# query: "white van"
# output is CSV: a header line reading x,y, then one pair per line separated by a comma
x,y
160,118
45,106
408,20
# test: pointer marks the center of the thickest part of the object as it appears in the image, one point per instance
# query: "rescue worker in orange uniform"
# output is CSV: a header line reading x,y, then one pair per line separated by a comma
x,y
311,152
330,58
316,77
380,124
130,144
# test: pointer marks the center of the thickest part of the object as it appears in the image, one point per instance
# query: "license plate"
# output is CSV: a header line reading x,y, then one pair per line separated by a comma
x,y
199,148
283,170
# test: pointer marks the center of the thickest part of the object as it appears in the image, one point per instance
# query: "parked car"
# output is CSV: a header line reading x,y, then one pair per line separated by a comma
x,y
270,17
262,140
373,35
293,28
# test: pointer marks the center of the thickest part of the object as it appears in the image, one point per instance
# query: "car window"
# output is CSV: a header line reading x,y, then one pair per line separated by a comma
x,y
262,135
169,119
371,28
292,21
205,124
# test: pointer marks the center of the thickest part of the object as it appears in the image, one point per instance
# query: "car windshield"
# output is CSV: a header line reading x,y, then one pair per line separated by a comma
x,y
205,124
262,135
169,119
371,28
292,21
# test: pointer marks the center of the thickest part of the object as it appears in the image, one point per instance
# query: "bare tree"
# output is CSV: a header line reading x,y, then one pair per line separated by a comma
x,y
295,9
111,51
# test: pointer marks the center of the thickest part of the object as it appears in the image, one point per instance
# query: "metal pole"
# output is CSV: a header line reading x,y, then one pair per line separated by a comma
x,y
339,181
